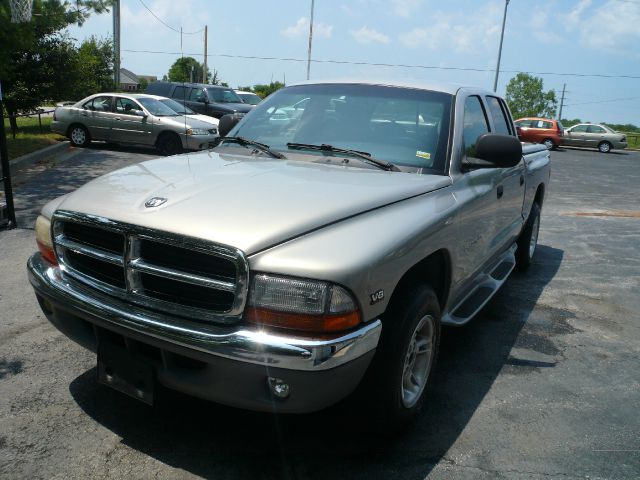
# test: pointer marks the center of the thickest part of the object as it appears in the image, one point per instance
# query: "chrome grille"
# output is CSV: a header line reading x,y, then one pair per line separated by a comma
x,y
155,269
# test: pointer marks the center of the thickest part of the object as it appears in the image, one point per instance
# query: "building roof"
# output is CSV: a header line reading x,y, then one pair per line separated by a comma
x,y
127,76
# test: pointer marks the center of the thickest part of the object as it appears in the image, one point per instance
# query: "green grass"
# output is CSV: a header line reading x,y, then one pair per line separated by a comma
x,y
29,138
633,139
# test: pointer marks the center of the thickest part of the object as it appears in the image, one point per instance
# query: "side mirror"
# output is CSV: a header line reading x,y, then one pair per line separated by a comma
x,y
139,113
494,150
202,99
227,122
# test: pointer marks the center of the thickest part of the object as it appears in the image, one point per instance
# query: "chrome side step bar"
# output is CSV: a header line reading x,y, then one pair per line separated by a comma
x,y
487,285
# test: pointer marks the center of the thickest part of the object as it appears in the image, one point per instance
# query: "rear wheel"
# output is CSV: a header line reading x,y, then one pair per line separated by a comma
x,y
79,136
549,143
604,147
528,240
400,374
169,143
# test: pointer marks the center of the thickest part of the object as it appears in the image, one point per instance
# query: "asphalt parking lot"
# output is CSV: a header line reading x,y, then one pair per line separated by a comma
x,y
544,383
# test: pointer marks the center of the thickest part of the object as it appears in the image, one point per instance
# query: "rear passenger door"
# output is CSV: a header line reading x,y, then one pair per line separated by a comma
x,y
595,134
97,116
181,94
510,182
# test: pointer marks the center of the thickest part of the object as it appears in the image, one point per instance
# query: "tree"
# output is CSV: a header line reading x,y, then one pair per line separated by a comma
x,y
94,67
144,83
182,69
527,98
266,90
35,57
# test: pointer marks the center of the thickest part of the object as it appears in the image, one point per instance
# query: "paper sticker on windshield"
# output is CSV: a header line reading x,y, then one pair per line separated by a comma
x,y
425,155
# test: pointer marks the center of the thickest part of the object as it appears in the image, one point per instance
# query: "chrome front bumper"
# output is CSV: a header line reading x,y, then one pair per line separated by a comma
x,y
237,343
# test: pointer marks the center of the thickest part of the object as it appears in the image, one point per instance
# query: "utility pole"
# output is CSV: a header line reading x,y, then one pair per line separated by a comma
x,y
564,86
6,173
310,41
116,44
205,79
504,21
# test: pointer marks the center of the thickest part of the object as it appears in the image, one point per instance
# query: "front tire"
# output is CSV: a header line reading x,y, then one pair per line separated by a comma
x,y
79,136
528,240
400,375
169,143
604,147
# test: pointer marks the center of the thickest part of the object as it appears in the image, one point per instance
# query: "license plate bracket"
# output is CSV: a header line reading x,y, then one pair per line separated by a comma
x,y
126,372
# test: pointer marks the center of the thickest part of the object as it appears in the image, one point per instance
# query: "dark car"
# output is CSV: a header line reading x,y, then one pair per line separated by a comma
x,y
548,131
211,100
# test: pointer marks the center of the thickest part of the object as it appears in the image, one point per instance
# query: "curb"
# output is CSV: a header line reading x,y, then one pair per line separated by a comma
x,y
30,158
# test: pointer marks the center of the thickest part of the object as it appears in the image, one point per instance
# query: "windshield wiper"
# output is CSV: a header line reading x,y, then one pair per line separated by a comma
x,y
365,156
250,143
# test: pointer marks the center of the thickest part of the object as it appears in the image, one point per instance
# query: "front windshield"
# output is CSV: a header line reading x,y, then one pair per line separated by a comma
x,y
177,107
407,127
157,108
222,95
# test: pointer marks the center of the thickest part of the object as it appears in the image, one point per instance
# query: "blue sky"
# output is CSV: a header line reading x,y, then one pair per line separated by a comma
x,y
562,36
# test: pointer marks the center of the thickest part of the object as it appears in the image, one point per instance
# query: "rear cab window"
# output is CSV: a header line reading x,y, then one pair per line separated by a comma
x,y
180,93
501,122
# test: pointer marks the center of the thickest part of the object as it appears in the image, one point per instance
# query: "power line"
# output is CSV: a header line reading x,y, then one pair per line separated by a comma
x,y
397,65
603,101
166,24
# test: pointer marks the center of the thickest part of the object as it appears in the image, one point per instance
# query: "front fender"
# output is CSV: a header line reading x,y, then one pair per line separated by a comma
x,y
368,253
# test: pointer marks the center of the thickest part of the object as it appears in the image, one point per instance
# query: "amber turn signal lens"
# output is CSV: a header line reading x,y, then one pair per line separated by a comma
x,y
302,322
47,253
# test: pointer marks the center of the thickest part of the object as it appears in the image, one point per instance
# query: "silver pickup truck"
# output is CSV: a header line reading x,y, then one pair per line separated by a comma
x,y
318,248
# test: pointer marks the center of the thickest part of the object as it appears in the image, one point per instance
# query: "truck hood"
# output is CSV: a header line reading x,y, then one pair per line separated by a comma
x,y
247,202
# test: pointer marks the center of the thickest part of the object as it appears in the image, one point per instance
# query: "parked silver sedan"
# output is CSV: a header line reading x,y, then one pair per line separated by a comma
x,y
594,136
133,119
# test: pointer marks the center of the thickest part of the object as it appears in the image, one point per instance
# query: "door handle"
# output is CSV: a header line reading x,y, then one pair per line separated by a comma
x,y
521,180
500,191
117,118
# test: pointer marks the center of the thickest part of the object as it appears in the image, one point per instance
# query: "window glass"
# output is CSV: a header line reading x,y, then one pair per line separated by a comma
x,y
580,128
547,125
99,104
180,92
223,95
126,105
407,127
250,98
177,107
197,95
499,119
157,108
475,124
596,129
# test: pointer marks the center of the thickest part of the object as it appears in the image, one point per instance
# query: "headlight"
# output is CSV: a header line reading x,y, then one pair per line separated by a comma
x,y
300,304
197,131
44,241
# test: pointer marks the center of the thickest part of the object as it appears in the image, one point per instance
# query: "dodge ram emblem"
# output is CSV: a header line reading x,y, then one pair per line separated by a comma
x,y
155,202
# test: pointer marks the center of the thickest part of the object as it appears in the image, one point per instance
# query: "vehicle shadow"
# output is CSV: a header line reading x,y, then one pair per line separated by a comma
x,y
219,442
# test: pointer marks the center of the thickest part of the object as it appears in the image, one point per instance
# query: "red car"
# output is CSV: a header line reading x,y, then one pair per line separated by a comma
x,y
540,130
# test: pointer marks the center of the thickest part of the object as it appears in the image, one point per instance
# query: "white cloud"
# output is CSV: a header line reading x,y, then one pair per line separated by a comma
x,y
611,27
301,28
405,8
366,36
468,32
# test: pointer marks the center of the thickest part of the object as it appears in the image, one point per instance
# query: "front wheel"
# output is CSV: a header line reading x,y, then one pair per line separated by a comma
x,y
400,374
528,240
604,147
169,143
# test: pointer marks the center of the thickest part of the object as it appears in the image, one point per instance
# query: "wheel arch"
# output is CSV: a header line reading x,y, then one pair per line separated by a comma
x,y
77,124
539,197
433,270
